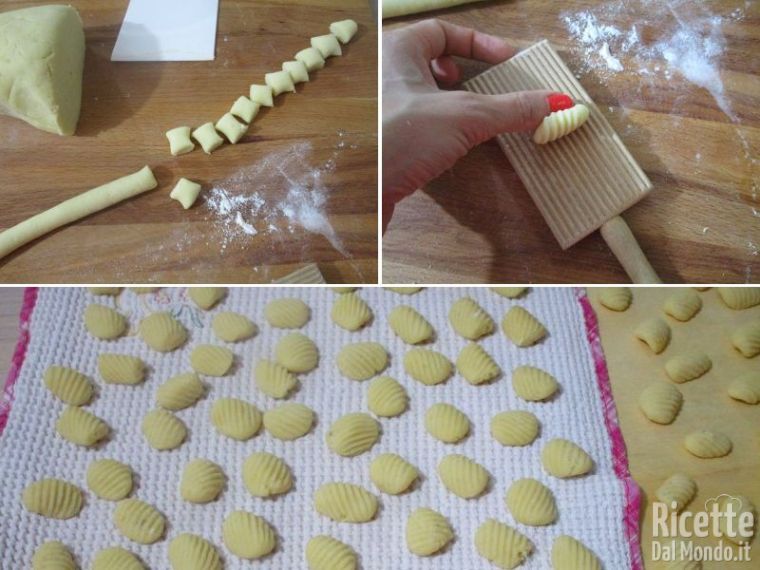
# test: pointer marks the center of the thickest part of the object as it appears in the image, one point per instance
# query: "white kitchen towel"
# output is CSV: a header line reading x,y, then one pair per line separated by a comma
x,y
599,509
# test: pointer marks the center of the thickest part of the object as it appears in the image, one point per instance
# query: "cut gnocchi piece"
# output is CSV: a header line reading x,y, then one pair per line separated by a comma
x,y
533,384
274,379
502,545
746,339
561,123
325,553
362,360
676,492
661,402
688,366
266,475
206,298
509,292
81,427
297,353
162,332
683,305
462,476
121,369
245,109
427,532
53,555
515,428
53,498
235,418
109,479
327,45
211,360
231,128
297,70
313,60
522,328
563,458
708,444
202,481
470,320
739,298
280,82
476,365
427,366
353,434
248,536
344,30
746,388
289,421
409,325
261,94
116,558
345,502
103,322
350,312
68,385
193,552
208,138
185,192
531,502
139,521
386,397
287,313
569,553
655,333
446,423
163,430
615,298
180,392
232,327
392,473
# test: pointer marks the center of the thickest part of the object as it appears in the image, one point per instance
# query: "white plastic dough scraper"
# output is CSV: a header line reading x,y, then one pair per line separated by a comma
x,y
581,182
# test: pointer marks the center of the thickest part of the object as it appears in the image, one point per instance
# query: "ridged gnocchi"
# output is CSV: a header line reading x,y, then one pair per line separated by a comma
x,y
233,327
446,423
746,388
655,333
68,385
362,360
502,545
739,510
103,322
345,502
206,297
105,291
683,305
265,475
180,392
53,555
274,379
561,123
522,328
661,402
297,353
202,481
404,290
739,298
470,320
476,365
81,427
676,492
163,430
531,502
139,521
427,366
162,332
708,444
53,498
326,553
386,397
533,384
463,476
211,360
248,536
110,479
193,552
287,313
409,325
509,292
289,421
350,312
116,558
688,366
569,553
353,434
121,369
746,339
615,298
392,473
515,428
427,532
236,418
563,458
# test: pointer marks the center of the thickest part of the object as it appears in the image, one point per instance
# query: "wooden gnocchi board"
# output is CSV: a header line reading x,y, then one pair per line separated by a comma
x,y
580,181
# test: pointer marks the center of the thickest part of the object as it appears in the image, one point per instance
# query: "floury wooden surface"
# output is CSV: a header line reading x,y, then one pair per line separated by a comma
x,y
312,159
701,223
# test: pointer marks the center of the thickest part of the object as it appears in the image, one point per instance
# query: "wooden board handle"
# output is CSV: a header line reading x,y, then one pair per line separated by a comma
x,y
623,244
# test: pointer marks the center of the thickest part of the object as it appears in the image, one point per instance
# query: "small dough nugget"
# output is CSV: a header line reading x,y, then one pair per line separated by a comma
x,y
344,30
53,555
427,532
207,136
313,60
192,552
531,502
571,554
202,481
392,474
53,498
262,94
561,123
325,553
280,82
327,45
501,544
297,70
231,128
708,444
344,502
179,140
245,109
248,536
109,479
116,558
139,521
185,192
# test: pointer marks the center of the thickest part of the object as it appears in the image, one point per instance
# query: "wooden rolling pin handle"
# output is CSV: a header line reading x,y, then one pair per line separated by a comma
x,y
623,244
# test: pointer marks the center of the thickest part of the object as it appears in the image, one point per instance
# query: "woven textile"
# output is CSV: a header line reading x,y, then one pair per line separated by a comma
x,y
597,509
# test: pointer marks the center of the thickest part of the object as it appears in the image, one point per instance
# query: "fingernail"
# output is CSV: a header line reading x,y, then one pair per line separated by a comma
x,y
559,101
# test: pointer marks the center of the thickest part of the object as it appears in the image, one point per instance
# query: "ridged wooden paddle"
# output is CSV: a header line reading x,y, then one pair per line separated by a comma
x,y
583,181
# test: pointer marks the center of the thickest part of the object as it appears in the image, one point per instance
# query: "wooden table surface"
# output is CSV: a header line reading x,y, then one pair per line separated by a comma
x,y
655,452
311,160
701,224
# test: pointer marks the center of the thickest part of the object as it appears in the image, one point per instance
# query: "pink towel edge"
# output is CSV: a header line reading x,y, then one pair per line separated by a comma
x,y
631,511
6,401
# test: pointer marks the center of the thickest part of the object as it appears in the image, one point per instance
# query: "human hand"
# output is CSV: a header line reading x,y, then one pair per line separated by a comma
x,y
426,129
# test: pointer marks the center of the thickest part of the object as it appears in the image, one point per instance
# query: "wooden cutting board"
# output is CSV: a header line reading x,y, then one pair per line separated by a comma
x,y
326,130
